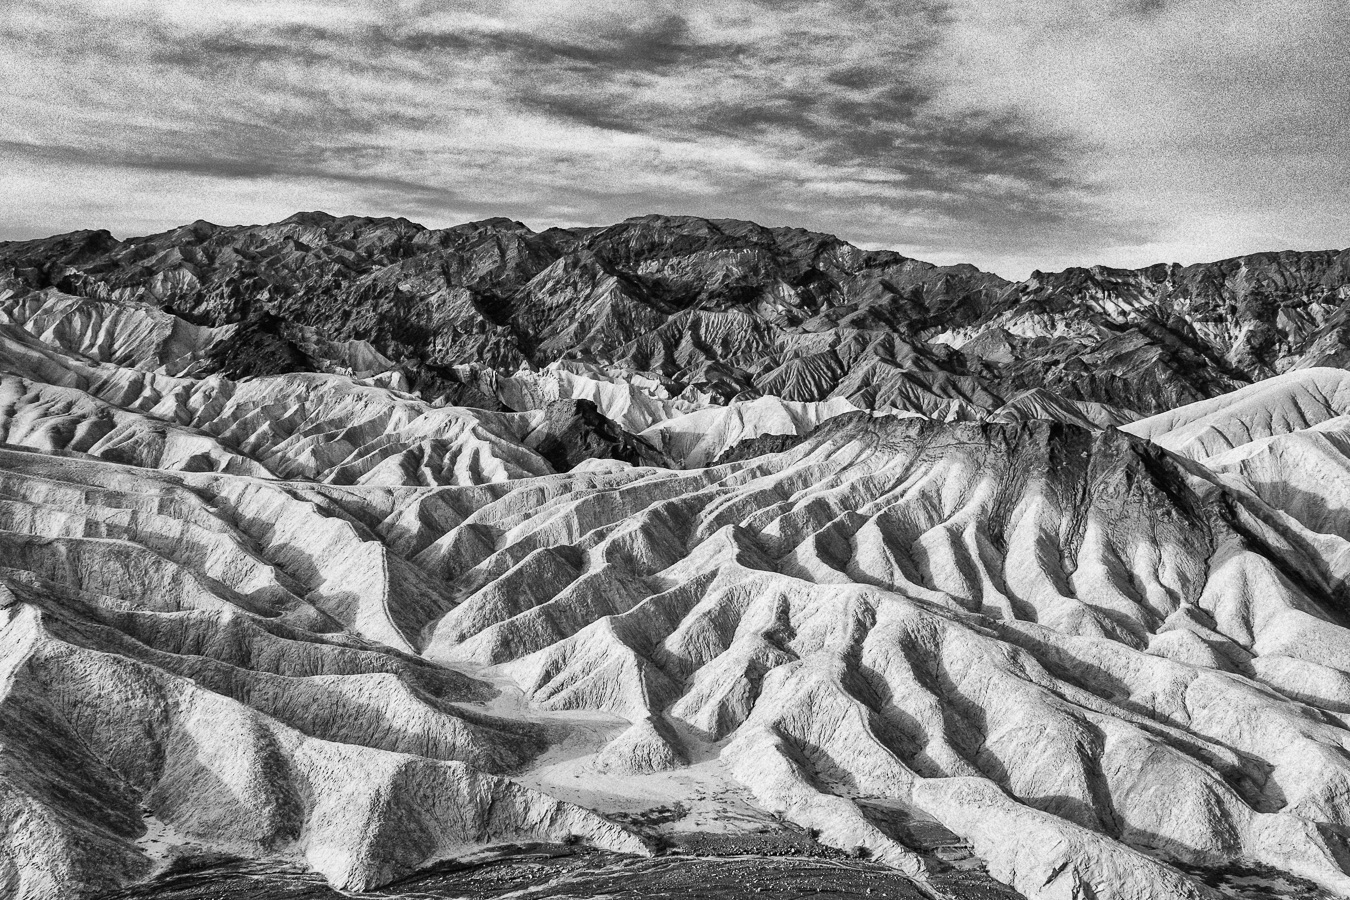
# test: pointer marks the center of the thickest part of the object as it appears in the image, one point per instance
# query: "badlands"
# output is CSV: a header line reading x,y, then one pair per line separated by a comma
x,y
353,548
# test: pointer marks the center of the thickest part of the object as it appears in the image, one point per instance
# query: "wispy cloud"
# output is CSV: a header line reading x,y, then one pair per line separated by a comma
x,y
1011,134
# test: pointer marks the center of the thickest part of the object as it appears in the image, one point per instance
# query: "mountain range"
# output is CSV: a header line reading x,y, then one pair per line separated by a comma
x,y
349,546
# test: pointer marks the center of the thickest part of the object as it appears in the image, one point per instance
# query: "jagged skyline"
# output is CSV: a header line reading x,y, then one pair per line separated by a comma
x,y
1011,136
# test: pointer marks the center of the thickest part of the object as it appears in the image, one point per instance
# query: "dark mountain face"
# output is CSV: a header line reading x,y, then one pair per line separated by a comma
x,y
723,306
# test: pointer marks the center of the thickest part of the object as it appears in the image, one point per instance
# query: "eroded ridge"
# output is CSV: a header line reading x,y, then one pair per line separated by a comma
x,y
674,528
1085,657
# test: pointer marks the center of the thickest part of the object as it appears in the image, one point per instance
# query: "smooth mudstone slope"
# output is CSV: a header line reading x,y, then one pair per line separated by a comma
x,y
1080,655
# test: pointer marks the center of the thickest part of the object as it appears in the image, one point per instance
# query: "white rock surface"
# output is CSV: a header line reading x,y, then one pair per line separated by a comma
x,y
362,634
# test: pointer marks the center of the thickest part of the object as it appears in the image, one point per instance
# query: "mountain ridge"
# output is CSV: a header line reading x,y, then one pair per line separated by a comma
x,y
430,298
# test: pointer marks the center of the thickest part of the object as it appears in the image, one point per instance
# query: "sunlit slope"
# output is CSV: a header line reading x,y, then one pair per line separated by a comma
x,y
1277,406
218,662
1040,636
1081,657
97,378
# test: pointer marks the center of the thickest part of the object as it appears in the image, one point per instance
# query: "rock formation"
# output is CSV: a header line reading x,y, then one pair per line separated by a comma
x,y
353,545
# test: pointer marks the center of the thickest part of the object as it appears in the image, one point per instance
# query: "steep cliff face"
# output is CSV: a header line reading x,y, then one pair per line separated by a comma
x,y
745,531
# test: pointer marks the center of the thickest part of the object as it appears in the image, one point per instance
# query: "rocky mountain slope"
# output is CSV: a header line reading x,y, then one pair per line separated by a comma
x,y
720,307
355,546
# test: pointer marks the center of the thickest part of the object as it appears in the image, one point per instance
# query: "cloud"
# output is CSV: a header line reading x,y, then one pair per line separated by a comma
x,y
1219,121
1015,135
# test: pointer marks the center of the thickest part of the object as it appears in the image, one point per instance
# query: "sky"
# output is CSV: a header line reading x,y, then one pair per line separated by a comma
x,y
1012,134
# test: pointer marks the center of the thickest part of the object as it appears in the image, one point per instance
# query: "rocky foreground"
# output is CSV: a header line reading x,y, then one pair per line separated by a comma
x,y
350,547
